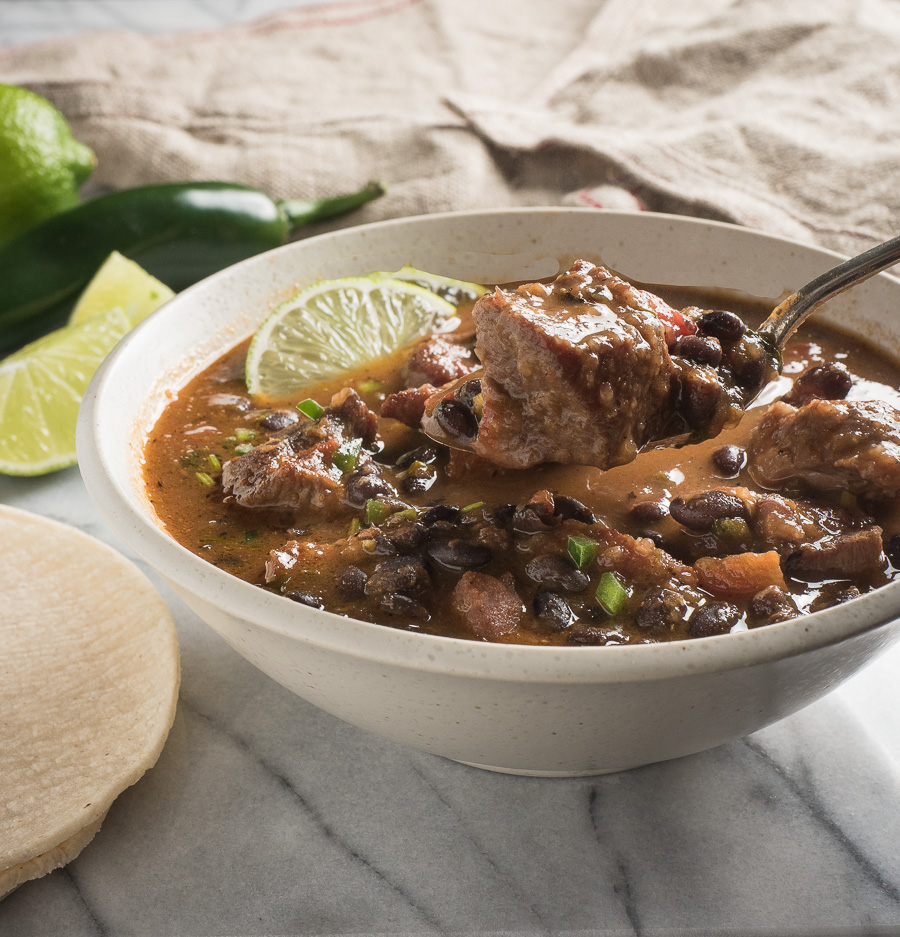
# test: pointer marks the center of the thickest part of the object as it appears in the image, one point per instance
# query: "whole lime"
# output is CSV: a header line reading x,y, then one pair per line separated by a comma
x,y
41,164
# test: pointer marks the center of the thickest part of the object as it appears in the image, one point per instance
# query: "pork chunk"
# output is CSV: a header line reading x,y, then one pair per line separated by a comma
x,y
295,467
437,360
829,444
408,406
489,606
577,371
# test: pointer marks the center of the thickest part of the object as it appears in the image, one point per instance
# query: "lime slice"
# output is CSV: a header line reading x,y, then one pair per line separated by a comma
x,y
338,325
123,283
41,387
454,291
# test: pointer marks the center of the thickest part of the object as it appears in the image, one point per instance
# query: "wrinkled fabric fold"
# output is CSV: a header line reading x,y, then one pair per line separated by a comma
x,y
783,117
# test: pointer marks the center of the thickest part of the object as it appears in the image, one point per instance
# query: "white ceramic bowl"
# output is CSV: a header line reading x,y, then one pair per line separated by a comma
x,y
529,710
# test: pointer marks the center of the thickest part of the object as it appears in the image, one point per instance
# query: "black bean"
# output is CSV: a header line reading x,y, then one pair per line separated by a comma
x,y
698,398
533,518
892,549
828,381
383,546
660,610
459,554
649,512
467,393
426,454
553,610
367,483
713,618
416,484
456,420
441,512
752,367
655,536
721,324
398,605
729,460
771,605
278,419
399,574
699,512
304,598
831,597
571,509
352,584
408,538
703,349
557,573
443,530
502,515
587,637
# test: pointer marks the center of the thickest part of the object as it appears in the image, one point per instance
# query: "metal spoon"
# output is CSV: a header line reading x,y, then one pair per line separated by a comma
x,y
788,315
775,331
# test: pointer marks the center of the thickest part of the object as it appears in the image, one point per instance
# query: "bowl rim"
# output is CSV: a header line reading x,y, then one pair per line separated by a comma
x,y
385,645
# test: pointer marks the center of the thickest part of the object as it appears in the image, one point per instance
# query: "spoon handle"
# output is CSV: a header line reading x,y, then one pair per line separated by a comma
x,y
784,320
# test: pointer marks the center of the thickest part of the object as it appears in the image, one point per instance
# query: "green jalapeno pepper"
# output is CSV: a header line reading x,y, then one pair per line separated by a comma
x,y
179,232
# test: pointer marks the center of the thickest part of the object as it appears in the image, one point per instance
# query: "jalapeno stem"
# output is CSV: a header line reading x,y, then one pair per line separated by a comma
x,y
301,211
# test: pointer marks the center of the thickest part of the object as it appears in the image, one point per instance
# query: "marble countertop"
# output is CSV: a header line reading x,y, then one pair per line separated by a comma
x,y
265,816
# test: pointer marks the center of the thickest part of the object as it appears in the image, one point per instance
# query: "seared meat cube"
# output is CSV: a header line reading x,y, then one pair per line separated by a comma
x,y
846,556
296,467
490,607
436,360
829,444
576,372
408,405
810,538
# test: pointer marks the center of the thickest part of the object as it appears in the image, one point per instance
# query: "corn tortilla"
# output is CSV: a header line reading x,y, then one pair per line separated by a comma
x,y
89,675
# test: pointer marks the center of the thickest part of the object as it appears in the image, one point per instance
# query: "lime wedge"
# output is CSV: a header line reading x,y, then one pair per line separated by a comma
x,y
123,283
41,387
454,291
338,325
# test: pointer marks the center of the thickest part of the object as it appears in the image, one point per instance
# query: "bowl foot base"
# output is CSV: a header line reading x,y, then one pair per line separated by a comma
x,y
539,773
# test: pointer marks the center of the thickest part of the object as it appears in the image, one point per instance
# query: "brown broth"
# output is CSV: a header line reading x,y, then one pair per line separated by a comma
x,y
238,539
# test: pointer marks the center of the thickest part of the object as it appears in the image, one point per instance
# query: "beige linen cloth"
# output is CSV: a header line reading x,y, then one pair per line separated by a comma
x,y
780,115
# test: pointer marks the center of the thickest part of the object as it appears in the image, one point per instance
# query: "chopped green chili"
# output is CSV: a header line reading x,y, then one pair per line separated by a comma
x,y
848,499
376,511
367,387
310,408
195,459
346,454
474,506
582,550
731,528
204,479
244,448
420,469
354,527
214,462
242,434
410,513
611,594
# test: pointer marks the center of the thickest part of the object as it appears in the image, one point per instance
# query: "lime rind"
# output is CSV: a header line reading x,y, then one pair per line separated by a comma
x,y
337,325
41,387
454,291
121,282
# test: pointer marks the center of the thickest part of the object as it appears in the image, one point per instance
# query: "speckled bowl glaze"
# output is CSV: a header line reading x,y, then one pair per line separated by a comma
x,y
527,710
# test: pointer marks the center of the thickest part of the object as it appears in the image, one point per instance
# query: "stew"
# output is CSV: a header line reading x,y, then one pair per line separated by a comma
x,y
549,525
